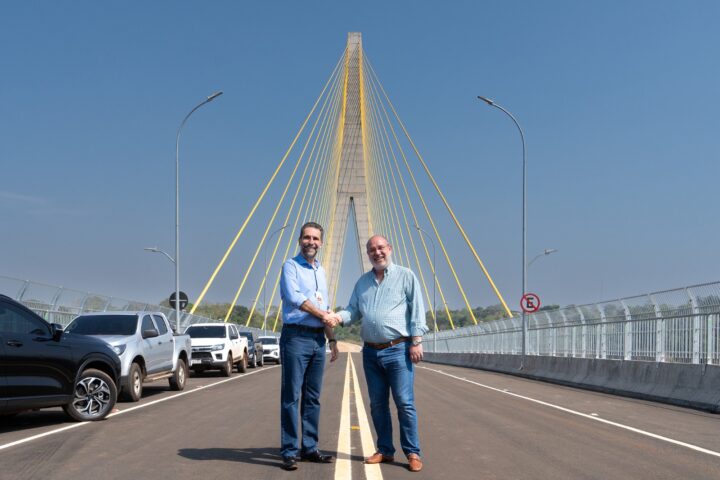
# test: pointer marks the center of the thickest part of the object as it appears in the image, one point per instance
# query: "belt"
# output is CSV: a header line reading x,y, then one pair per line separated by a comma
x,y
383,346
303,328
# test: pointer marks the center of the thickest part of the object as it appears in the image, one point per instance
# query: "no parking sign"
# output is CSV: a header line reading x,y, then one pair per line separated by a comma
x,y
530,303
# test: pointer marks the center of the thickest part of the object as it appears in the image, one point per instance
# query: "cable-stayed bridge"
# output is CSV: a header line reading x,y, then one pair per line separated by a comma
x,y
353,167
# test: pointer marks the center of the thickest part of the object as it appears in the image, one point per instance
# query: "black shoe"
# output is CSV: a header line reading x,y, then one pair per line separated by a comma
x,y
316,457
289,463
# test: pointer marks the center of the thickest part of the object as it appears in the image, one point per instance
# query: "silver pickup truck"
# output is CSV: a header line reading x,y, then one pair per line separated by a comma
x,y
147,347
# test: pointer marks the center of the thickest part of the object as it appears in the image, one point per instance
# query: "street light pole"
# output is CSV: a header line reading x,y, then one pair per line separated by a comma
x,y
265,280
524,222
177,203
434,305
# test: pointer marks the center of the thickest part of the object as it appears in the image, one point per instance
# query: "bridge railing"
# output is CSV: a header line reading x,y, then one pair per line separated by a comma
x,y
61,305
675,326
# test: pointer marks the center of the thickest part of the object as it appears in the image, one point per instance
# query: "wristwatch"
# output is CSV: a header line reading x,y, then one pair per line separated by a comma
x,y
415,343
332,340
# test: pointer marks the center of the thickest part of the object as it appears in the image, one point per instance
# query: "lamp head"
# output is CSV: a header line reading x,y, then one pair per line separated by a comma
x,y
214,96
486,100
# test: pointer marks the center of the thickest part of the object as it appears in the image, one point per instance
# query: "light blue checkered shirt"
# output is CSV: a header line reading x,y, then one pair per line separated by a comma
x,y
388,310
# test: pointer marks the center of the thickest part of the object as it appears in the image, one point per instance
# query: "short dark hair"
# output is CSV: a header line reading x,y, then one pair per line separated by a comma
x,y
311,225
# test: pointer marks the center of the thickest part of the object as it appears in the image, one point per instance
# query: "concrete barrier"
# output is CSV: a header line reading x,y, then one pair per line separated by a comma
x,y
694,386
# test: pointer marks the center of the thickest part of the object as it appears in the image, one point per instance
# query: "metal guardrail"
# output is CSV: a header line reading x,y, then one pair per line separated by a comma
x,y
61,305
673,326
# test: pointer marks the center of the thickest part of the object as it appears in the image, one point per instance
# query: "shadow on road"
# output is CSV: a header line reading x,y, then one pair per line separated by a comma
x,y
32,419
257,456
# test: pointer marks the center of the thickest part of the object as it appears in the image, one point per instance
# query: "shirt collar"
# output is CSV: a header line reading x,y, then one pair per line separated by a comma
x,y
303,261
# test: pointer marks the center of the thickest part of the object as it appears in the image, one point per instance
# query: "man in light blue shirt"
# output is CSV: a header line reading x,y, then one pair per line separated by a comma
x,y
303,289
388,301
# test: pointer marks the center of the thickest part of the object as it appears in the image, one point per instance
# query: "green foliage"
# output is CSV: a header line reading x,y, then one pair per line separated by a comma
x,y
462,318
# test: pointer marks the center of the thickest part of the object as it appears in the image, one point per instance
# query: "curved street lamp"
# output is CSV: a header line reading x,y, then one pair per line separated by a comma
x,y
177,203
547,251
524,221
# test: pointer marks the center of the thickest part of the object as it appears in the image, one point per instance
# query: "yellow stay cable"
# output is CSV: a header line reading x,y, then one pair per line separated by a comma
x,y
277,209
387,227
313,180
331,230
412,211
313,154
432,222
387,144
391,199
262,195
382,160
445,202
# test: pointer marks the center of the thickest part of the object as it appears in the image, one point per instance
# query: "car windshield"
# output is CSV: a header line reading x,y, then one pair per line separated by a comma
x,y
104,325
247,335
268,340
206,331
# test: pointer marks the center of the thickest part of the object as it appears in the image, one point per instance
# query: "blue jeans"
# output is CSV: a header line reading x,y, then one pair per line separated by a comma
x,y
302,355
386,371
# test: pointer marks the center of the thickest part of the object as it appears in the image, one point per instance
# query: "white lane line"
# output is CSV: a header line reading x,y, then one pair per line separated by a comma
x,y
372,472
584,415
77,425
343,470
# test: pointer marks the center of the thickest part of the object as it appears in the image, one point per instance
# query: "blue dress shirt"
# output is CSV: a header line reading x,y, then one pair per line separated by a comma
x,y
389,309
301,281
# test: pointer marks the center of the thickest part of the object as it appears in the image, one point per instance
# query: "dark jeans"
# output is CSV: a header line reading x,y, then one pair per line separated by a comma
x,y
386,371
302,355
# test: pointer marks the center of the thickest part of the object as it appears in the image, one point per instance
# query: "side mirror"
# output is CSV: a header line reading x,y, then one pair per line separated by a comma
x,y
56,330
150,333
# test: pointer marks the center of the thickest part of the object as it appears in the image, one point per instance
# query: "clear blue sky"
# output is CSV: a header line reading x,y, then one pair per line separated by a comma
x,y
619,102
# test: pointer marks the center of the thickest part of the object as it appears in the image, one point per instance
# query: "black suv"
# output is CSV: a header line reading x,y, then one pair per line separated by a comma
x,y
255,350
40,366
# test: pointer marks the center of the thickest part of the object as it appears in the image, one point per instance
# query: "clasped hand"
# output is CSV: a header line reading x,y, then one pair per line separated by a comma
x,y
331,319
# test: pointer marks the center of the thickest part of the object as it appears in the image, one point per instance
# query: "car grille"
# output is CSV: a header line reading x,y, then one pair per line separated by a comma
x,y
200,355
201,349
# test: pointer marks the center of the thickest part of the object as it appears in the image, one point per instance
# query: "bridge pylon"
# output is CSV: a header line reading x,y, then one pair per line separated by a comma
x,y
351,193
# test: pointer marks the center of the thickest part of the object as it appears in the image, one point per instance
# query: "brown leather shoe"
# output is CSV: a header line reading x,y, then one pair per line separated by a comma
x,y
378,457
414,462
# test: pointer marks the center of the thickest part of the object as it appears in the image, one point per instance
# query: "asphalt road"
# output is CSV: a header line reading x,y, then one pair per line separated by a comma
x,y
473,424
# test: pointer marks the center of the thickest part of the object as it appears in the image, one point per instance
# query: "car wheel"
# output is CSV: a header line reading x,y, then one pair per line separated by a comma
x,y
253,364
242,366
228,367
132,388
179,378
94,396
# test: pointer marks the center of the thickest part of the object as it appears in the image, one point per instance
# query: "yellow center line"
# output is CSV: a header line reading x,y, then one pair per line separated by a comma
x,y
343,467
372,472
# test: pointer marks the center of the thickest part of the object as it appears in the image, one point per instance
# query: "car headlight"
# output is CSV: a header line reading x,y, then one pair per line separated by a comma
x,y
219,346
119,349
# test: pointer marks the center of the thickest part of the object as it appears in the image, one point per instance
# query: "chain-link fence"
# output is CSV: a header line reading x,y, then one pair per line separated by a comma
x,y
61,305
678,326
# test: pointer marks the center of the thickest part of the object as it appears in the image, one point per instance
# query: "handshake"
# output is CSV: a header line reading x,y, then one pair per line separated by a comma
x,y
331,319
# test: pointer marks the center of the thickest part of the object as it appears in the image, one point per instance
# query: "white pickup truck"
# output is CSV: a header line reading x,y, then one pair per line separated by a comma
x,y
147,347
217,346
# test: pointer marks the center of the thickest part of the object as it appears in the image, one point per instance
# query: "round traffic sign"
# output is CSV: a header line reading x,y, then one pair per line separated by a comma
x,y
530,303
183,300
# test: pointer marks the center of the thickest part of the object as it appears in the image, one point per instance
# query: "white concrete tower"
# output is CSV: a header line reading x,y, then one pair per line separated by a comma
x,y
351,188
